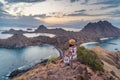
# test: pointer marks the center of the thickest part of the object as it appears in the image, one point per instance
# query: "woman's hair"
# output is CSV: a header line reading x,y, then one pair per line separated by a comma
x,y
70,45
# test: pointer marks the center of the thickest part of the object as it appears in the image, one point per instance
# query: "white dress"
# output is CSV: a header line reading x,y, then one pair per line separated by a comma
x,y
72,51
66,59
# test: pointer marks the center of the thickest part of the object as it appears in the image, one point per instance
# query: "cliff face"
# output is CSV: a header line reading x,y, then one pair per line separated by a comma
x,y
20,41
16,41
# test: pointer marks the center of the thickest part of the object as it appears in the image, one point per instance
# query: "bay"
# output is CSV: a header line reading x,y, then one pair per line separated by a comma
x,y
11,59
112,44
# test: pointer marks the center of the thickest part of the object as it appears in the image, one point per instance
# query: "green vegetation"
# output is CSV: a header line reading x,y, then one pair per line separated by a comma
x,y
52,59
90,58
64,49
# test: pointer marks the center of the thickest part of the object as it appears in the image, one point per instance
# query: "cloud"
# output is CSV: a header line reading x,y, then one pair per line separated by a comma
x,y
41,16
109,6
2,12
1,4
85,14
24,21
115,13
27,1
45,9
77,14
85,1
73,1
66,11
110,2
83,10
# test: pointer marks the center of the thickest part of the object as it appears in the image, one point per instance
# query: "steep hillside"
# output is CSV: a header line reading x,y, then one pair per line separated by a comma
x,y
16,41
101,29
88,66
57,71
111,61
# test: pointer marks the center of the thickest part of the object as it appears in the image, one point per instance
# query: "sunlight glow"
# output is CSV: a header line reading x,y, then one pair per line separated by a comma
x,y
55,20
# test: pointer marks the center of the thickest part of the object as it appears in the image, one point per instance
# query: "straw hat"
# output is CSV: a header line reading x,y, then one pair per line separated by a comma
x,y
71,41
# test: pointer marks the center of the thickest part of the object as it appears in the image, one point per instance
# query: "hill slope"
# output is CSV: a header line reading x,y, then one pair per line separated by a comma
x,y
91,32
56,70
101,29
111,61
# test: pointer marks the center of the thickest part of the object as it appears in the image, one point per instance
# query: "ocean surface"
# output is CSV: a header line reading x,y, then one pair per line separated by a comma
x,y
11,59
29,35
112,44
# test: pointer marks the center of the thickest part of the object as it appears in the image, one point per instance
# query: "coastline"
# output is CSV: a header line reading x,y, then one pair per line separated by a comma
x,y
84,44
101,41
21,70
28,35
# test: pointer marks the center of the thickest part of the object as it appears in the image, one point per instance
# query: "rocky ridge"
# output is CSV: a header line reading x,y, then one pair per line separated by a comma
x,y
91,32
111,61
58,71
101,29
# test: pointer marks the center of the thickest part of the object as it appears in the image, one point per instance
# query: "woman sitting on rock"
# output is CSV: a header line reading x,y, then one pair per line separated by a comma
x,y
70,55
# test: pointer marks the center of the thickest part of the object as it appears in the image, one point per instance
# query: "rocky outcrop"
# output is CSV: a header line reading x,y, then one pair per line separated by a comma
x,y
17,72
111,61
58,71
16,41
101,29
40,28
57,31
20,41
91,32
12,31
22,70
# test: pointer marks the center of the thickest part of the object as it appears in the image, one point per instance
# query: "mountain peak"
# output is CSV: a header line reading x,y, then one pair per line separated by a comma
x,y
98,24
101,28
18,36
104,22
42,27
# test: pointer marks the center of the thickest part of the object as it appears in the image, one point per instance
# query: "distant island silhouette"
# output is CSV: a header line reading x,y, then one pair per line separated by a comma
x,y
91,32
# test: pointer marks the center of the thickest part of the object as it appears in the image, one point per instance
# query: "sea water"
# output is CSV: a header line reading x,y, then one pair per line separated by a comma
x,y
11,59
29,35
112,44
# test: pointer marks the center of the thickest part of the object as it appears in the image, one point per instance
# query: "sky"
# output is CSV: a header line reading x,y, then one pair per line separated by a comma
x,y
58,13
